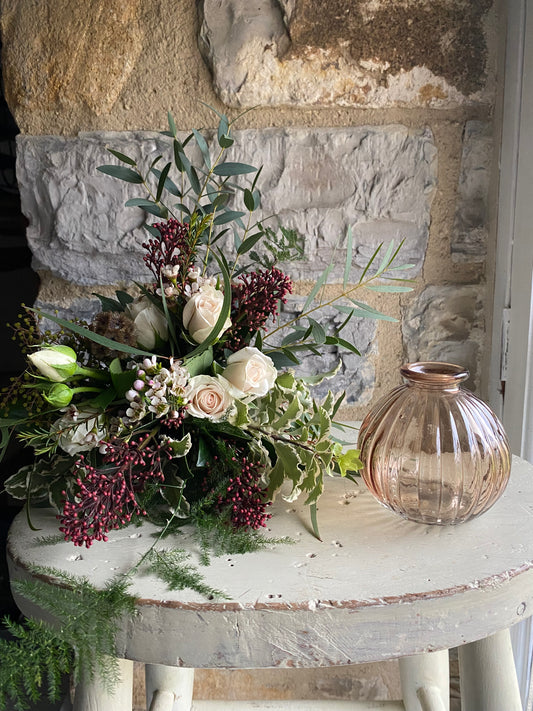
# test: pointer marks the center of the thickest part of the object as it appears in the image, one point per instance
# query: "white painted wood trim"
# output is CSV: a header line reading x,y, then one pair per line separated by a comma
x,y
304,705
513,288
168,688
488,676
93,695
425,680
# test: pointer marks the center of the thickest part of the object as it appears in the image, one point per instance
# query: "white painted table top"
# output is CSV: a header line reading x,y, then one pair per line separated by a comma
x,y
376,586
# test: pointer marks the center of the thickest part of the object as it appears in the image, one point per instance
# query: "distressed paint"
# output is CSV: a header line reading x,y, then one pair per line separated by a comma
x,y
376,587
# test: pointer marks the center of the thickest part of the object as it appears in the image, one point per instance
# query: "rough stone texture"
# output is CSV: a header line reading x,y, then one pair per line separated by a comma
x,y
447,323
356,374
470,235
379,180
347,52
81,52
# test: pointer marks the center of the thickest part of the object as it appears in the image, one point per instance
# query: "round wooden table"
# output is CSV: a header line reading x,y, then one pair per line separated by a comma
x,y
376,587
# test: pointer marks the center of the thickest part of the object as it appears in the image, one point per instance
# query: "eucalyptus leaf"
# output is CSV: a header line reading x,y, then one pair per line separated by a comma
x,y
118,171
122,157
225,169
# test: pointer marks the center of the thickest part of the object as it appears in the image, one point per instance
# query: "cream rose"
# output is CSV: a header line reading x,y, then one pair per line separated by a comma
x,y
79,430
209,397
150,323
201,313
251,372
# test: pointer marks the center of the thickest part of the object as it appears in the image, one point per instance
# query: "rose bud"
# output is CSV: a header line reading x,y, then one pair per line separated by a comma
x,y
59,395
57,363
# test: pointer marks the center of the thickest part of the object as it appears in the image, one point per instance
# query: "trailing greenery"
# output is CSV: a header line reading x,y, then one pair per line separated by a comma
x,y
79,639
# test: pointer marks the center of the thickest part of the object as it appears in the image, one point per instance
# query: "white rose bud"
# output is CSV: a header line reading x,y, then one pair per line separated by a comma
x,y
209,397
201,313
57,363
150,323
251,372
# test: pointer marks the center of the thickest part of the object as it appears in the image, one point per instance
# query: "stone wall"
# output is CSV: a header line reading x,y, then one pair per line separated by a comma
x,y
374,114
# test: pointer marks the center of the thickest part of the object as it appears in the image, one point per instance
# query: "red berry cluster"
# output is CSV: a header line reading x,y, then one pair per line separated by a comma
x,y
106,497
170,248
254,300
245,498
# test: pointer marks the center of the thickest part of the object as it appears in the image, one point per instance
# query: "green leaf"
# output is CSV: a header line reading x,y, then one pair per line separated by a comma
x,y
249,200
314,520
369,263
317,331
148,206
386,258
201,363
122,380
228,216
161,183
180,447
102,401
124,298
86,333
389,288
202,145
122,157
108,304
118,171
233,169
349,256
249,242
349,346
319,284
171,124
169,184
349,462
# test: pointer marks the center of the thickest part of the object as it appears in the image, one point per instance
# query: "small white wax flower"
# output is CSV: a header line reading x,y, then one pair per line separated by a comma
x,y
251,372
201,313
171,271
138,385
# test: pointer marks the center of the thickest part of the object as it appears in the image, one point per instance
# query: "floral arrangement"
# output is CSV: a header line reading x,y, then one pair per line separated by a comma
x,y
179,402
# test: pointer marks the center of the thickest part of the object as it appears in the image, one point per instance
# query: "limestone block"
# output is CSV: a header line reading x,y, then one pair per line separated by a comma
x,y
347,52
469,241
379,180
73,52
356,374
446,323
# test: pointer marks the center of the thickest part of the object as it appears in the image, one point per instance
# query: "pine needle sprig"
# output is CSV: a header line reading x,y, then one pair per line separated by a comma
x,y
172,567
36,655
86,619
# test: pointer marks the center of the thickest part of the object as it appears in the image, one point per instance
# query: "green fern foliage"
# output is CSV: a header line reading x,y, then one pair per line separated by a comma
x,y
173,568
78,640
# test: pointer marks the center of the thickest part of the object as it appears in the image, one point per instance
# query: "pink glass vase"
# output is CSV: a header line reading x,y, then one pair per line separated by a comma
x,y
432,451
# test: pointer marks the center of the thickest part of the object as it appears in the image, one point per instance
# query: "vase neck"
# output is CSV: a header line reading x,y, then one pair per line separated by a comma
x,y
434,375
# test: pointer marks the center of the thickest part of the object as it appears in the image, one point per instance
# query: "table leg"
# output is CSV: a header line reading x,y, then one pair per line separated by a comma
x,y
93,695
488,675
425,680
168,688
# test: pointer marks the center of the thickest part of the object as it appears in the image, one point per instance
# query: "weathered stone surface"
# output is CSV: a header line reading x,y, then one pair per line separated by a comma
x,y
82,52
346,52
446,323
470,235
379,180
356,374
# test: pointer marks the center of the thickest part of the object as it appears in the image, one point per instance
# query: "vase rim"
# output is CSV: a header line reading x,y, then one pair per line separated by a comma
x,y
434,372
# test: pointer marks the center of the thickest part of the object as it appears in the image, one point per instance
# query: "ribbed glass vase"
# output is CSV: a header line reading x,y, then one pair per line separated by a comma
x,y
432,451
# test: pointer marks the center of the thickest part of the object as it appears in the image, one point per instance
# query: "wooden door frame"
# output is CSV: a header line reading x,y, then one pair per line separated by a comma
x,y
512,351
